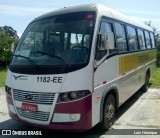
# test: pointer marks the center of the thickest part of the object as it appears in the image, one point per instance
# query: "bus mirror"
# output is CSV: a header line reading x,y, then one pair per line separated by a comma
x,y
12,47
105,41
108,39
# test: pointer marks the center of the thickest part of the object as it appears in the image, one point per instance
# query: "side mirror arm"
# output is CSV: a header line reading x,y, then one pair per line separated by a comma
x,y
99,41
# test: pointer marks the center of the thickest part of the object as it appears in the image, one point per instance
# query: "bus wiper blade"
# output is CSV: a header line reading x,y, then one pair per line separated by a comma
x,y
58,57
31,61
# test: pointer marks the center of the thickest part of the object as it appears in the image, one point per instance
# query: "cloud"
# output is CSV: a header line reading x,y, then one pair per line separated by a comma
x,y
21,11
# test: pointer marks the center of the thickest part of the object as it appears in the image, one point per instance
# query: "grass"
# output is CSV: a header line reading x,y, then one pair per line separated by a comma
x,y
155,78
2,77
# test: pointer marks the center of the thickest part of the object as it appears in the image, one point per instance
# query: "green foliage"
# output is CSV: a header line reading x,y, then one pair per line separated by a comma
x,y
2,77
7,37
157,37
155,78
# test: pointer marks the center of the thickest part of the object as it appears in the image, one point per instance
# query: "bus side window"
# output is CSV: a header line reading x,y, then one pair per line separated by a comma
x,y
148,42
132,39
152,40
106,27
121,38
141,39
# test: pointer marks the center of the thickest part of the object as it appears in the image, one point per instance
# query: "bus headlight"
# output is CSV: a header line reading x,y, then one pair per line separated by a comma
x,y
64,97
8,90
73,95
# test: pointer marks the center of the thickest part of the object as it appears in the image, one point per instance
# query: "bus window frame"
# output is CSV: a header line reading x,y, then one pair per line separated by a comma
x,y
144,39
153,40
111,21
135,28
124,25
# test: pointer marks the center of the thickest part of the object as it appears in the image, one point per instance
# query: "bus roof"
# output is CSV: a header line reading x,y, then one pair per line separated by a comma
x,y
101,10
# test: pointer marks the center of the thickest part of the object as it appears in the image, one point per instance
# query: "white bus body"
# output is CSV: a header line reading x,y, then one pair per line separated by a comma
x,y
70,94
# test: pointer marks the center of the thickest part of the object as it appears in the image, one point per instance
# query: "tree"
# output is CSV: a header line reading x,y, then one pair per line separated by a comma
x,y
9,30
157,37
149,23
7,36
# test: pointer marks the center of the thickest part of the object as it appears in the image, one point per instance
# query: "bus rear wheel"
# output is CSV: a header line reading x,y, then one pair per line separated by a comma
x,y
108,112
146,85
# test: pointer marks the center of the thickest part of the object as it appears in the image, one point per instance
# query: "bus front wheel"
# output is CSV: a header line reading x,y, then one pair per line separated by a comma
x,y
108,112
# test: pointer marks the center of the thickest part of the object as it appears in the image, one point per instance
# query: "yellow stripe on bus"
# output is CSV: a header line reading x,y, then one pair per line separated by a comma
x,y
132,61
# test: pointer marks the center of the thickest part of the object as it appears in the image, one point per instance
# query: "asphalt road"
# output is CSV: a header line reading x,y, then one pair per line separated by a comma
x,y
140,114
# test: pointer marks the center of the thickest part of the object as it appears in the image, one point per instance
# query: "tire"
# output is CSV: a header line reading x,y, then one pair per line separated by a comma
x,y
108,112
146,85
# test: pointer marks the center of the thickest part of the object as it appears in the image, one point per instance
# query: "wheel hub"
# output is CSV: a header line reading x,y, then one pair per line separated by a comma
x,y
110,111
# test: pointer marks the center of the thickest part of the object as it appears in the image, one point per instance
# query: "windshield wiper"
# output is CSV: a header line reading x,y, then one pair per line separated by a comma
x,y
31,61
58,57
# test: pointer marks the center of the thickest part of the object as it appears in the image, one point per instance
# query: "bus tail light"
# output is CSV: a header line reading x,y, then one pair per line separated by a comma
x,y
73,95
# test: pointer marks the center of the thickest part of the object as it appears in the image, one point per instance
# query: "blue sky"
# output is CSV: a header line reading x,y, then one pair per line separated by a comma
x,y
18,13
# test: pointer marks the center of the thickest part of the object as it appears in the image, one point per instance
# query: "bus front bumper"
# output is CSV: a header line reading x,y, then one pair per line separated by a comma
x,y
71,116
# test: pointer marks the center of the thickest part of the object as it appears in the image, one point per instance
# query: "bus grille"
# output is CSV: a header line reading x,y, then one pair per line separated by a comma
x,y
38,97
40,116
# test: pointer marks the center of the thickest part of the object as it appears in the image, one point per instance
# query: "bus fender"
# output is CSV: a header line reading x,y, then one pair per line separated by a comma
x,y
111,89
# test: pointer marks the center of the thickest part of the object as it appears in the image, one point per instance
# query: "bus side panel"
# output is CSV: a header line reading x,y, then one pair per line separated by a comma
x,y
130,83
104,76
133,68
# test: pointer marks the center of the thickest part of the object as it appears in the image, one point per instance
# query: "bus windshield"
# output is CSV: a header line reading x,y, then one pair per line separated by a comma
x,y
61,41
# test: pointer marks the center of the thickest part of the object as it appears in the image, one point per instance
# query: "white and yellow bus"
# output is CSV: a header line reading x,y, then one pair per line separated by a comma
x,y
74,67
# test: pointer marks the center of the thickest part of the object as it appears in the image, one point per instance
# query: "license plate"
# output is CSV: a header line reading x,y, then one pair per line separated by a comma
x,y
30,107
